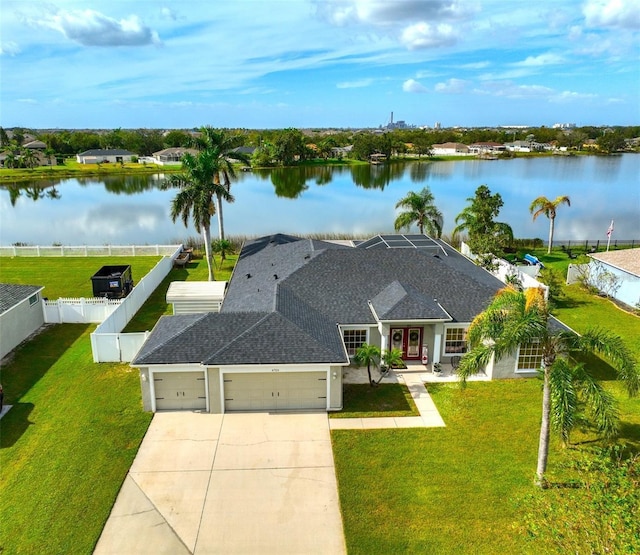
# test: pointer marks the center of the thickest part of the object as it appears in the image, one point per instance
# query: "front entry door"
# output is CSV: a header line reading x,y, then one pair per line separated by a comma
x,y
407,340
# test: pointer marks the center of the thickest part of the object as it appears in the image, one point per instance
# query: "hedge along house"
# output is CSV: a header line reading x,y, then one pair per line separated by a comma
x,y
296,310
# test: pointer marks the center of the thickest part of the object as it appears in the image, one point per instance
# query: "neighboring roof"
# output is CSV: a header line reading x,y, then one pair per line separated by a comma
x,y
34,144
195,290
106,152
176,151
627,260
288,295
11,294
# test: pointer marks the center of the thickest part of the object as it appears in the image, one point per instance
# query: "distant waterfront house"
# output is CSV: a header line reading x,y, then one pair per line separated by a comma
x,y
21,314
35,145
525,146
625,266
172,156
451,149
100,156
486,148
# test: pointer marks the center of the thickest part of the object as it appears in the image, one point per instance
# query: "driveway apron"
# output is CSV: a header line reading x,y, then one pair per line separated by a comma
x,y
243,483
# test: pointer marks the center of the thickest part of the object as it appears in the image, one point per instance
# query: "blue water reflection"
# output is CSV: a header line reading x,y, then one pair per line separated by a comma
x,y
361,199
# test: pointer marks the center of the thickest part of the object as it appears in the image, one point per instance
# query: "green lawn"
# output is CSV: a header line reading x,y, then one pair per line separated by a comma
x,y
460,489
67,443
68,276
386,399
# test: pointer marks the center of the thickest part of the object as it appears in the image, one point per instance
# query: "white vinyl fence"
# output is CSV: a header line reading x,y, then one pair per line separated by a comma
x,y
79,311
84,250
107,343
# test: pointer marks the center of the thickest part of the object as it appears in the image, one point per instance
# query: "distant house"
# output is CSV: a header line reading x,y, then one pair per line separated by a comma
x,y
525,146
21,314
35,145
172,156
100,156
625,266
450,149
488,147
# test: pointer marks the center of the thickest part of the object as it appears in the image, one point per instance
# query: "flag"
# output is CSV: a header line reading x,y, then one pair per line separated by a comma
x,y
610,230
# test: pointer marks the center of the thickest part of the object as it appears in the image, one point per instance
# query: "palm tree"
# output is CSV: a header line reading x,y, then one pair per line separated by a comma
x,y
515,319
421,210
221,148
195,198
367,355
542,205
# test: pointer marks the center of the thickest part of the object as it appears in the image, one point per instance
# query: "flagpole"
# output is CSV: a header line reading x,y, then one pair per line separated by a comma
x,y
609,232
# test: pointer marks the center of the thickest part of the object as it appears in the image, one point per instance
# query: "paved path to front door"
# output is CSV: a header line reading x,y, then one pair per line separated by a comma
x,y
240,483
429,415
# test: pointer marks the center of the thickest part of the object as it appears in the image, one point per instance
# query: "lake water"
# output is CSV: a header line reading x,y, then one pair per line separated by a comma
x,y
133,210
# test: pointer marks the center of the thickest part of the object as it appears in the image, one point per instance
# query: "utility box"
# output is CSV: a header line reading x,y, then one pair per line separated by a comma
x,y
113,282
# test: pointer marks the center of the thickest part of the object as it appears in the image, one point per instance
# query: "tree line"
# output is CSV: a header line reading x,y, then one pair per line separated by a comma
x,y
291,146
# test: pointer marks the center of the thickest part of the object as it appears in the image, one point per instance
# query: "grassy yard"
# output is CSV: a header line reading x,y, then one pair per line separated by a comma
x,y
67,443
386,399
68,276
460,489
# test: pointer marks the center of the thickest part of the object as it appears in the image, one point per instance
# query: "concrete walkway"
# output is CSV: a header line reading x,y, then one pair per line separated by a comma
x,y
429,415
240,483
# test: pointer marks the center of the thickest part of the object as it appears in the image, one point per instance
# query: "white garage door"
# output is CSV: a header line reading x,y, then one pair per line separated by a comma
x,y
180,390
275,391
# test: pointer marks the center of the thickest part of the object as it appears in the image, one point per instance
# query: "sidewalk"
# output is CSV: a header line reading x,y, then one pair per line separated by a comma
x,y
429,415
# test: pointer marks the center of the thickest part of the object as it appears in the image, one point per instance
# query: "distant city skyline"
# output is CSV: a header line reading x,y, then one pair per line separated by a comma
x,y
318,63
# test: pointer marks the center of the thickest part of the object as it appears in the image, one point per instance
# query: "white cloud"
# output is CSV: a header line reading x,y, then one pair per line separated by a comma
x,y
475,65
570,96
454,86
168,13
27,100
612,13
541,60
91,28
9,49
425,35
412,86
355,84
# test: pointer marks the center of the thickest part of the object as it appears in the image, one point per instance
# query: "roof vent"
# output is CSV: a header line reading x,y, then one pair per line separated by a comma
x,y
275,276
436,256
307,257
248,276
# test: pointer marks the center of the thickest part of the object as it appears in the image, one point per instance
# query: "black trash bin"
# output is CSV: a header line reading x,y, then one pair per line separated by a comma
x,y
113,282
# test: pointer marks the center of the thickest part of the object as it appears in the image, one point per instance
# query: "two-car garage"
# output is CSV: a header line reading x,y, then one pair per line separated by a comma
x,y
275,391
188,388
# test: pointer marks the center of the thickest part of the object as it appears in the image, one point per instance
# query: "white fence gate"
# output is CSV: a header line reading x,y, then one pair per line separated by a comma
x,y
79,311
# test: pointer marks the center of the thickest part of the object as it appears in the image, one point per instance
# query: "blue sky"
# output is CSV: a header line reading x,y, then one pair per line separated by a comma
x,y
318,63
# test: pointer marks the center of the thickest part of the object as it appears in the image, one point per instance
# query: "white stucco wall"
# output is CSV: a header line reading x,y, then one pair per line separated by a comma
x,y
18,323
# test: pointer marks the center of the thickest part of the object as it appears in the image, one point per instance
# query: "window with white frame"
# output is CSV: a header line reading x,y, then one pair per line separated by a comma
x,y
455,341
529,357
354,339
33,299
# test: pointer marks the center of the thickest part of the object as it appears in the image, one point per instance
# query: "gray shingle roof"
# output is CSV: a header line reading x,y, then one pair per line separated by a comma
x,y
106,152
287,296
11,294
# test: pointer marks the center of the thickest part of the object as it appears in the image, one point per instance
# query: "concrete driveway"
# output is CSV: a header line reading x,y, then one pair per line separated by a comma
x,y
250,483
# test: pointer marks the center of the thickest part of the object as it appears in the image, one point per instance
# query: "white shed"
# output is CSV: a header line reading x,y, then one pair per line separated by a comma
x,y
188,297
21,314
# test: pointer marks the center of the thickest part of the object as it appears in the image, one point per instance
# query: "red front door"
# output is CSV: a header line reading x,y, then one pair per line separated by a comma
x,y
407,340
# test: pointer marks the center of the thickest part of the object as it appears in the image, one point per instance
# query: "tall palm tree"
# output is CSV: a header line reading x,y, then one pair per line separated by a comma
x,y
421,210
221,148
194,199
515,319
542,205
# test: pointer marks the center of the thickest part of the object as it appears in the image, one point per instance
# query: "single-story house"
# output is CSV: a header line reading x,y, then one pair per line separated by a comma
x,y
625,266
35,145
100,155
172,156
450,149
488,147
21,314
295,312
